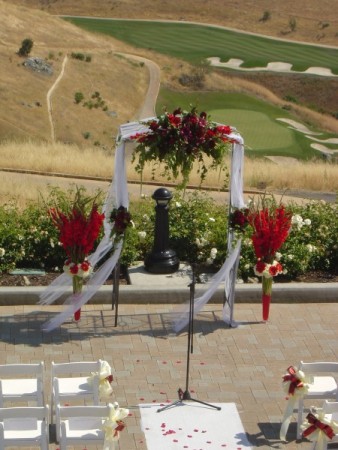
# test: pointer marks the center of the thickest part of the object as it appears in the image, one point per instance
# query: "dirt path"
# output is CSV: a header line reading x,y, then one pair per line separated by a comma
x,y
148,108
49,95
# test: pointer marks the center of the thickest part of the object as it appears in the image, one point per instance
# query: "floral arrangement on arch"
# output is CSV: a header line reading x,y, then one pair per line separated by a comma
x,y
271,225
120,220
79,224
180,138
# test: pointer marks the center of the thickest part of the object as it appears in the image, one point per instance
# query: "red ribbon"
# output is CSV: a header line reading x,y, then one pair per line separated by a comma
x,y
120,427
109,378
295,382
316,423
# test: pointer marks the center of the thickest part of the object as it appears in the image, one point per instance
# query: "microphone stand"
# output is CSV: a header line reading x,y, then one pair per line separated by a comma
x,y
185,395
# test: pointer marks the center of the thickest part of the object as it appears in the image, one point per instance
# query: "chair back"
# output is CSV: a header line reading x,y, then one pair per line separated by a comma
x,y
330,407
74,368
20,412
22,370
314,368
83,411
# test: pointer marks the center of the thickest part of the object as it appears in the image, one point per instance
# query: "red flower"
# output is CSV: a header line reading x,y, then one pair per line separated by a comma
x,y
85,266
271,228
260,266
74,269
78,229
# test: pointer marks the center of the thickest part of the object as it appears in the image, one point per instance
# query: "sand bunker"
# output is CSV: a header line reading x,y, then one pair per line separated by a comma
x,y
234,63
319,144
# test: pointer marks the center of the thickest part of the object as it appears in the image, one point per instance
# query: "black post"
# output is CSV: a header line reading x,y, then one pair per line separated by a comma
x,y
162,259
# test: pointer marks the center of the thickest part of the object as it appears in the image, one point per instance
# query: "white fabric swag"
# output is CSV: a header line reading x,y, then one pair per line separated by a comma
x,y
118,196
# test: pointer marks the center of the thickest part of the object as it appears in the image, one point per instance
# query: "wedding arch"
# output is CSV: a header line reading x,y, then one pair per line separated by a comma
x,y
118,196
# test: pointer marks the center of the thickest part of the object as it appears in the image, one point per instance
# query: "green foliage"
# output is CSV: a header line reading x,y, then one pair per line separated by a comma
x,y
292,24
86,134
78,97
81,56
265,17
198,233
26,47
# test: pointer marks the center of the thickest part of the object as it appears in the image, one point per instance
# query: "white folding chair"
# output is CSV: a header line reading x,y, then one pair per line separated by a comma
x,y
324,385
24,426
22,383
81,424
70,384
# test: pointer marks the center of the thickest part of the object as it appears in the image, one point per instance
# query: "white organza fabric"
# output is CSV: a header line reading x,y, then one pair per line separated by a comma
x,y
228,271
117,196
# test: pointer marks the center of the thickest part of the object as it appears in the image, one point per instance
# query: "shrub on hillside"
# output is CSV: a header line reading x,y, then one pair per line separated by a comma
x,y
26,47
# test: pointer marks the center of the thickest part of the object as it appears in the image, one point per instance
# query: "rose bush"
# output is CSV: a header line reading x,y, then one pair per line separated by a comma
x,y
198,234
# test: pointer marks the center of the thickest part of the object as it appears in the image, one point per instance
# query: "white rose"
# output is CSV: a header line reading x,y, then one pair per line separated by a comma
x,y
2,252
142,235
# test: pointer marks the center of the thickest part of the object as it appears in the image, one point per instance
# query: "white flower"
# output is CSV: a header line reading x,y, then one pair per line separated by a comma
x,y
297,220
213,253
142,235
209,261
2,252
212,219
311,248
307,222
145,217
51,242
20,237
178,205
278,256
290,257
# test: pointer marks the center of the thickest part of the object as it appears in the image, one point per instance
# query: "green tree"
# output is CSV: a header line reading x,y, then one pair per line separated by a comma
x,y
26,47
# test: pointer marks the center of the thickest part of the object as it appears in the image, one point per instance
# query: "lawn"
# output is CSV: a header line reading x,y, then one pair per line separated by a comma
x,y
195,43
254,119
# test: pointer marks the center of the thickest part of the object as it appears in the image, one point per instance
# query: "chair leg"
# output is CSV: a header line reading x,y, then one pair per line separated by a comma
x,y
300,417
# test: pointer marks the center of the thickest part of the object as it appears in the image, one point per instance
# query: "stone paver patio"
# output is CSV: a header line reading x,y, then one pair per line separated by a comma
x,y
243,365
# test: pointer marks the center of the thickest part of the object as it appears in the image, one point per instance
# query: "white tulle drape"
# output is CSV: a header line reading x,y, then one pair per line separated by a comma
x,y
228,271
116,196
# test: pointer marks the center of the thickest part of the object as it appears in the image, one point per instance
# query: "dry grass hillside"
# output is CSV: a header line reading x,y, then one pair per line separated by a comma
x,y
121,82
314,20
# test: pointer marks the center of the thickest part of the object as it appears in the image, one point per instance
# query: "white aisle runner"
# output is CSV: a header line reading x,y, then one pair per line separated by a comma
x,y
193,426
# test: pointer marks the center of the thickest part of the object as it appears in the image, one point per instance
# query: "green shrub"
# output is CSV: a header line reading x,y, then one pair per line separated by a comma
x,y
198,233
78,97
26,47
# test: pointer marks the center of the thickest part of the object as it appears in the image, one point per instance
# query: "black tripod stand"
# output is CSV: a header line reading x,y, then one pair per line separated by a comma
x,y
185,395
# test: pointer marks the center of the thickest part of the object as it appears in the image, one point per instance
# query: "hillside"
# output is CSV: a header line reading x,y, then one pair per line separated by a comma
x,y
120,82
305,20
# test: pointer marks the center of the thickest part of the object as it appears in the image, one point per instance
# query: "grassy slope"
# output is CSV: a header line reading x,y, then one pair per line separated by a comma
x,y
194,43
315,21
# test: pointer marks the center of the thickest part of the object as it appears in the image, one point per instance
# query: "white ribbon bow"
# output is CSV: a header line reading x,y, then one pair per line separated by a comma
x,y
113,425
104,376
